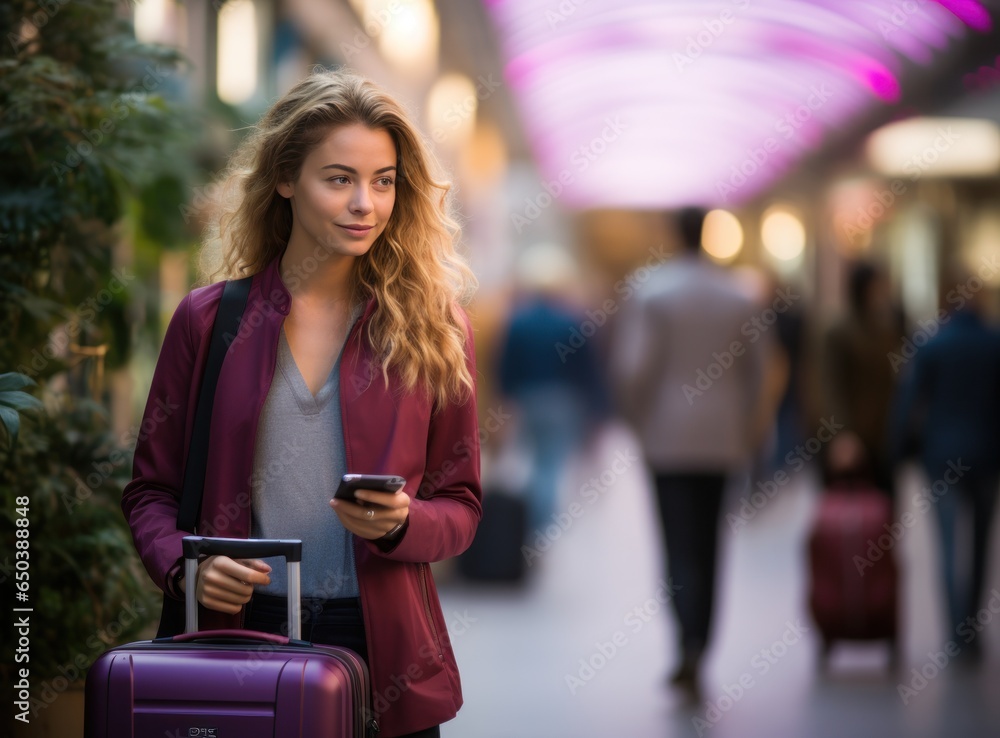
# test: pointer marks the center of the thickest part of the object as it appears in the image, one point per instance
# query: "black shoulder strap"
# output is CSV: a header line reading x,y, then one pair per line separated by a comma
x,y
227,323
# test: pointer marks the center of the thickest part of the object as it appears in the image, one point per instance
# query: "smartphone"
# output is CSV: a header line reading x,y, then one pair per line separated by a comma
x,y
351,483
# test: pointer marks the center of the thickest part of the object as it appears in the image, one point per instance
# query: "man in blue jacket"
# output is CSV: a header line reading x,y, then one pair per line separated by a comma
x,y
948,412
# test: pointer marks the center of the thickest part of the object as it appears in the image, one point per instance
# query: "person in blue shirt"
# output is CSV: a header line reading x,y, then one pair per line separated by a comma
x,y
548,368
947,411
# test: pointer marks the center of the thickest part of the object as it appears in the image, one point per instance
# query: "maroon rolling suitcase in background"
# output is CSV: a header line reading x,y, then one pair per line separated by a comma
x,y
235,683
854,579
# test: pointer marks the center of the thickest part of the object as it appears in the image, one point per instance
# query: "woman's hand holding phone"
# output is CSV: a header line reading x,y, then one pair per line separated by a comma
x,y
372,513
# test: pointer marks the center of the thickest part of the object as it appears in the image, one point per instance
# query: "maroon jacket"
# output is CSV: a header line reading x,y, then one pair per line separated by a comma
x,y
414,676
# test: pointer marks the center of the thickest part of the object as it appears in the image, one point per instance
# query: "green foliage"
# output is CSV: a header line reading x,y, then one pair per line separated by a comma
x,y
85,126
94,155
12,402
85,583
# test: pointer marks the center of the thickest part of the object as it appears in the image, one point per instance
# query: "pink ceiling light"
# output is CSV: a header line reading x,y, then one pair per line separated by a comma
x,y
972,13
655,104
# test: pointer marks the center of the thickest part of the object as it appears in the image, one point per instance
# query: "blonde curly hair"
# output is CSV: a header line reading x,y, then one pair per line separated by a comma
x,y
412,270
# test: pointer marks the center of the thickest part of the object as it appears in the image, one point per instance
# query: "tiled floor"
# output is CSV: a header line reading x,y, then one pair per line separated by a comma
x,y
584,648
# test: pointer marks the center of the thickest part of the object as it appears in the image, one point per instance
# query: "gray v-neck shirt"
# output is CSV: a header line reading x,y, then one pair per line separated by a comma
x,y
299,458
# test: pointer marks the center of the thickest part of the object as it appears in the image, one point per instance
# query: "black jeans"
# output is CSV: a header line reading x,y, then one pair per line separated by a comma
x,y
975,496
330,622
689,507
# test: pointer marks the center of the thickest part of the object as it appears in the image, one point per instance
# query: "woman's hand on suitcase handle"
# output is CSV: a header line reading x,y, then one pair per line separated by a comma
x,y
389,509
226,584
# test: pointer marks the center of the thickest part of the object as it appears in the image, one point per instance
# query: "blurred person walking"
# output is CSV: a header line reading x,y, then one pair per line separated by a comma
x,y
782,410
947,410
689,381
791,415
847,602
553,381
859,380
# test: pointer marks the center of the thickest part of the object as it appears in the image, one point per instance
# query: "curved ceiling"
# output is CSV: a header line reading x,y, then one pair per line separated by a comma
x,y
658,104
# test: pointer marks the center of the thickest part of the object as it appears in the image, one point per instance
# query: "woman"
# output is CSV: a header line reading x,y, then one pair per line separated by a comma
x,y
352,356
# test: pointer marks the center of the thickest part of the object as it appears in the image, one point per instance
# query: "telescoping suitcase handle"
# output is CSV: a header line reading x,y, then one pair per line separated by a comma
x,y
290,549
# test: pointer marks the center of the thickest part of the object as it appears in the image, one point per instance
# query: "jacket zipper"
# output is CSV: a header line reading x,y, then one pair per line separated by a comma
x,y
371,724
343,405
422,567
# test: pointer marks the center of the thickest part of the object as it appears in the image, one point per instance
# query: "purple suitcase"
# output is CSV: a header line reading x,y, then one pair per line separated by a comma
x,y
214,684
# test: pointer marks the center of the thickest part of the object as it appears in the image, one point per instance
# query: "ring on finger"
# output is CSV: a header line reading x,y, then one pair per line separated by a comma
x,y
370,514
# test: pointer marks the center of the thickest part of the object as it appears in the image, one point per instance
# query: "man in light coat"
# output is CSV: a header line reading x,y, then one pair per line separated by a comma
x,y
688,361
